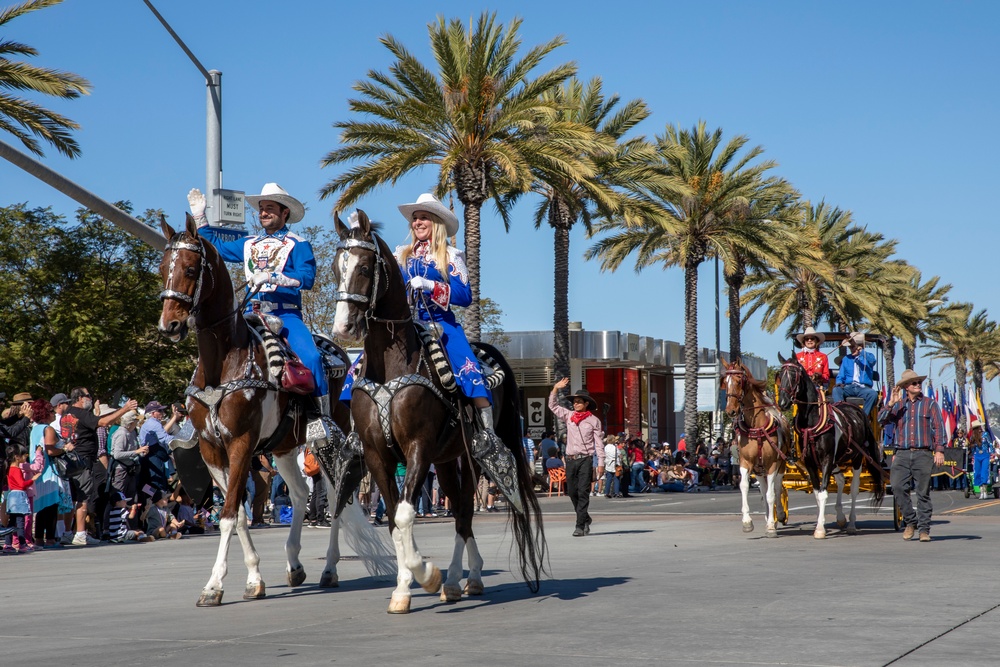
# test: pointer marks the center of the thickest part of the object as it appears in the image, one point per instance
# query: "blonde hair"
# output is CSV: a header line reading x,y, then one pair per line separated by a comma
x,y
438,246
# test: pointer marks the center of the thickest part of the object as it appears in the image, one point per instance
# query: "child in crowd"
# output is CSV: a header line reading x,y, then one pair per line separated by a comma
x,y
184,510
17,498
118,525
160,522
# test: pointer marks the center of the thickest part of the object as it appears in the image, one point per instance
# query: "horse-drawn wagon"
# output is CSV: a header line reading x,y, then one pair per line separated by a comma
x,y
835,445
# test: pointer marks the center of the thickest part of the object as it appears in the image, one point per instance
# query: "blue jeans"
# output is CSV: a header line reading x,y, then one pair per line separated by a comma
x,y
858,390
610,483
637,480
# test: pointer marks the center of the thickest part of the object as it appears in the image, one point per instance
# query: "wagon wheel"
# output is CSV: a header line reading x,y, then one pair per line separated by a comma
x,y
996,491
897,515
782,504
968,490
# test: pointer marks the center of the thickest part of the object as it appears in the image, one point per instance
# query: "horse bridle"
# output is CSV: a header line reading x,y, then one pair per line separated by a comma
x,y
381,268
796,381
194,301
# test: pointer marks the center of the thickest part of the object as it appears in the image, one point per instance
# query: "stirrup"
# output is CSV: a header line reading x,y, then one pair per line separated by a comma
x,y
499,465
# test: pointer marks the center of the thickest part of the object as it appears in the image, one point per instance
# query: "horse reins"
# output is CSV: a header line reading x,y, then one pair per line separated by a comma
x,y
759,433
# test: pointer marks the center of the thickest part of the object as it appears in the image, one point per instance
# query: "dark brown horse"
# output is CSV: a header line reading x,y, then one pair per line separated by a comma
x,y
403,415
235,407
834,437
763,437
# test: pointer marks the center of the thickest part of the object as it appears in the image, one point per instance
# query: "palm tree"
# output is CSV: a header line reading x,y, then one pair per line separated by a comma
x,y
935,298
27,120
565,201
819,276
899,309
688,225
479,118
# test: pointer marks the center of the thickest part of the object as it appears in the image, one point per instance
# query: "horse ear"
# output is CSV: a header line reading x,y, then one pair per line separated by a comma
x,y
366,224
190,225
339,226
781,359
168,231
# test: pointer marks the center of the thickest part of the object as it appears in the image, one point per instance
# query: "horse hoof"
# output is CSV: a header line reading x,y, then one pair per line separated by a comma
x,y
450,593
329,580
296,576
254,591
474,587
771,532
819,534
852,530
748,526
210,599
841,523
399,604
433,583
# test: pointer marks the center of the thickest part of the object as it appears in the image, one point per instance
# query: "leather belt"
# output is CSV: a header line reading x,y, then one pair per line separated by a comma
x,y
270,306
574,457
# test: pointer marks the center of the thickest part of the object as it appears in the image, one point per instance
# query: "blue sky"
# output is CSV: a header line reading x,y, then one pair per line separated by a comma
x,y
888,109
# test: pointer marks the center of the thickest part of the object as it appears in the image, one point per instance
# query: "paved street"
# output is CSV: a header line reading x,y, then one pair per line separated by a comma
x,y
668,578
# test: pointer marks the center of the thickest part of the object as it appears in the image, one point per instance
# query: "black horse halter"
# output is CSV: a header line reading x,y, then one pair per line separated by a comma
x,y
798,377
381,273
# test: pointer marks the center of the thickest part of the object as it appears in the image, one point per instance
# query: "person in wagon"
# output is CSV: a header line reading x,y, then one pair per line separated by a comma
x,y
815,363
855,377
278,265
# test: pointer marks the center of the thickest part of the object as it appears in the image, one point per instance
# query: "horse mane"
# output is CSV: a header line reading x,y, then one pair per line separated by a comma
x,y
760,386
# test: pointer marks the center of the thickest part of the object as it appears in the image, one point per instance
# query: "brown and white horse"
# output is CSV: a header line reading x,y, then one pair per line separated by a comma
x,y
237,411
402,414
763,438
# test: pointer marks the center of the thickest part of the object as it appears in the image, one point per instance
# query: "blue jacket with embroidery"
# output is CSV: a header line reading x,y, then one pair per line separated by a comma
x,y
299,263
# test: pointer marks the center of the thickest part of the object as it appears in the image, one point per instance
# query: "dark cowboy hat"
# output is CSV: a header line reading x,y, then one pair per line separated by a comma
x,y
584,395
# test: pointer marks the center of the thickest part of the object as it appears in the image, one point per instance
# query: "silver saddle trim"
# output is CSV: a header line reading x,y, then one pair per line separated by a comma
x,y
382,395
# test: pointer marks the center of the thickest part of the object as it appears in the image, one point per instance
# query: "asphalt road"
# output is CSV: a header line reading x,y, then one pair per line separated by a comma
x,y
664,578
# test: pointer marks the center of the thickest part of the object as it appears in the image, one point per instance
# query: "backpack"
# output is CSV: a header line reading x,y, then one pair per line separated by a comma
x,y
310,465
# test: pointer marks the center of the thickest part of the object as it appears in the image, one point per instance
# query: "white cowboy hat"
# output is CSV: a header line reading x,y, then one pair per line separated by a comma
x,y
810,332
428,202
974,422
274,192
908,377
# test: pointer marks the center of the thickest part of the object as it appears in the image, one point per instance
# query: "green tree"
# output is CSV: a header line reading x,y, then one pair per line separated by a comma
x,y
690,224
78,307
480,118
26,119
565,201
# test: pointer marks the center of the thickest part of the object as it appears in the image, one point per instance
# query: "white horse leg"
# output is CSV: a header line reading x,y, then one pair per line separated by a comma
x,y
425,573
255,585
474,584
744,491
820,532
852,527
451,591
211,595
329,577
298,492
773,483
841,519
399,603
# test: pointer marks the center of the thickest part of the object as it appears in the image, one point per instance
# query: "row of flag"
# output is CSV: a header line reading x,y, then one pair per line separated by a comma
x,y
952,408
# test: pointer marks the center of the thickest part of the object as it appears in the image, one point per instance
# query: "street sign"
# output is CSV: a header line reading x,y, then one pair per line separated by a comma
x,y
229,208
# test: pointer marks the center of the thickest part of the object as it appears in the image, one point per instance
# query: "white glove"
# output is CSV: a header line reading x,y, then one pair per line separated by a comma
x,y
279,279
196,201
421,283
259,278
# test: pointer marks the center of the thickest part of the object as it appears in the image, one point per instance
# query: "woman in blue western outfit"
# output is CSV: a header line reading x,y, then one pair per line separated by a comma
x,y
435,271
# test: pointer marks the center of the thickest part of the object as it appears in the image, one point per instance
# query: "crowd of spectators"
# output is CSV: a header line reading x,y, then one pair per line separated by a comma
x,y
80,473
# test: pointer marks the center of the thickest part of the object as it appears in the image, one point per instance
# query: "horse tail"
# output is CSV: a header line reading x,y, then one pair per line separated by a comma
x,y
529,532
873,464
370,544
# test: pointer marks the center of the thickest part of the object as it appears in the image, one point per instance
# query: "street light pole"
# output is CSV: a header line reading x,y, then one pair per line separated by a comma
x,y
716,416
213,125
